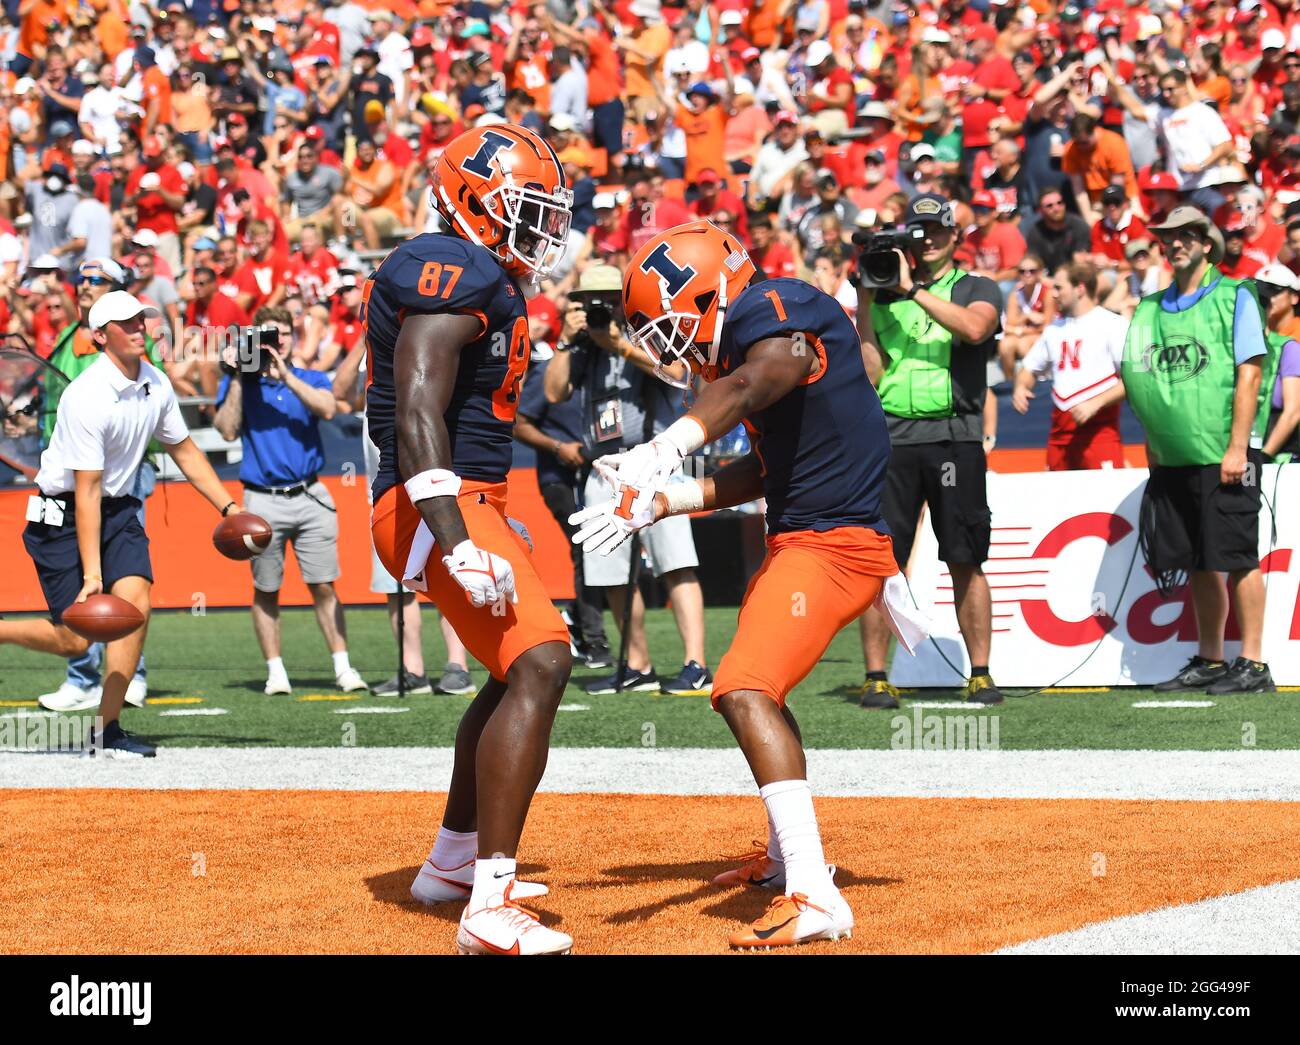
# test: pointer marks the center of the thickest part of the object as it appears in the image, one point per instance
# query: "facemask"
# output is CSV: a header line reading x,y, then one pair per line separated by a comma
x,y
54,184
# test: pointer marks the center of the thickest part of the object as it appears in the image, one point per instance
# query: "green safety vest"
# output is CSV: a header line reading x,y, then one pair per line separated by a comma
x,y
1180,373
917,381
71,366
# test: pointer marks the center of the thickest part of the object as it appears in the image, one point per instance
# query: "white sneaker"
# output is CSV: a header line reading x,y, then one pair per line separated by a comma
x,y
436,884
136,691
795,919
71,698
350,682
277,684
507,928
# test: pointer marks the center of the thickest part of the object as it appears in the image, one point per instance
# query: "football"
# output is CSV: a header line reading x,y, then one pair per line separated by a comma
x,y
242,536
103,618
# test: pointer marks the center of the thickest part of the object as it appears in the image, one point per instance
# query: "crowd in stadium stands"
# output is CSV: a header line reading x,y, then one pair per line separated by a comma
x,y
244,154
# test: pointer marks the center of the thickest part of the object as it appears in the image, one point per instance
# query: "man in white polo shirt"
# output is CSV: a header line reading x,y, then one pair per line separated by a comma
x,y
1081,351
84,532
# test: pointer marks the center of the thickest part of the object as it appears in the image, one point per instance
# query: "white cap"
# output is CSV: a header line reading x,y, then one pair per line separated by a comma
x,y
185,170
1278,276
145,238
24,85
116,306
267,25
1149,26
45,261
82,147
604,201
562,121
818,52
742,85
1272,38
730,18
381,16
934,35
922,152
646,8
488,119
216,32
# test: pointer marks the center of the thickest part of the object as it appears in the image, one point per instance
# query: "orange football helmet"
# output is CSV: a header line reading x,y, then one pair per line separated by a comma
x,y
676,291
503,187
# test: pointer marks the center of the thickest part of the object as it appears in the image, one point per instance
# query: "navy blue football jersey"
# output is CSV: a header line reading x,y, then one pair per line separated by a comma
x,y
438,274
824,446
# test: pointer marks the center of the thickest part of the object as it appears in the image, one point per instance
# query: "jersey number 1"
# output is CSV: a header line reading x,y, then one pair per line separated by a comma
x,y
505,400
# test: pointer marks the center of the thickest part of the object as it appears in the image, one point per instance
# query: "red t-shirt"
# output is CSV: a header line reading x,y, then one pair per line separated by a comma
x,y
262,278
997,248
837,76
152,210
730,202
1243,268
1111,242
776,261
312,275
220,311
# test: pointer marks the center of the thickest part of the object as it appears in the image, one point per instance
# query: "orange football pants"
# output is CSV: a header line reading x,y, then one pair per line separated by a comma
x,y
810,585
496,640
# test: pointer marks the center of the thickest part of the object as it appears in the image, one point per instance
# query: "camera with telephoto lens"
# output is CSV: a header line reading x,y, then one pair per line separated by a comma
x,y
877,262
601,306
251,355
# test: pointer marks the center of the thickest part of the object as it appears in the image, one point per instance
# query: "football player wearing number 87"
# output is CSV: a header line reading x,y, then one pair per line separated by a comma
x,y
447,337
783,357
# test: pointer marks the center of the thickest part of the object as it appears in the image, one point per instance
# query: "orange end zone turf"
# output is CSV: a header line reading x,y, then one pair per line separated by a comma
x,y
319,871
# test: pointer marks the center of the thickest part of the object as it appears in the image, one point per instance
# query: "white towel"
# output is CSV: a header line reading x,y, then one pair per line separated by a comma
x,y
910,626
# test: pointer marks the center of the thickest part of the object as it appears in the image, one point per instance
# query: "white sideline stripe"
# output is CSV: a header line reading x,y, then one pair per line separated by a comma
x,y
192,712
1258,921
1174,704
1185,775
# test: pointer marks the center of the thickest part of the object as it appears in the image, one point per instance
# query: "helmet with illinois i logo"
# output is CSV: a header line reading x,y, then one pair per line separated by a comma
x,y
502,187
676,291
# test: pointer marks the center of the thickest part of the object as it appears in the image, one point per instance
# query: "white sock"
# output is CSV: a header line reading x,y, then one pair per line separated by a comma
x,y
790,807
341,663
453,848
275,668
773,845
491,876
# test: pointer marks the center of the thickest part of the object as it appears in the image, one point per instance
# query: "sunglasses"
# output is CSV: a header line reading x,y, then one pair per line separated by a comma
x,y
1030,272
93,281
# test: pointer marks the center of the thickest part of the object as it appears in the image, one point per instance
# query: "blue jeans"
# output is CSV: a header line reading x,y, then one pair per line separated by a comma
x,y
83,671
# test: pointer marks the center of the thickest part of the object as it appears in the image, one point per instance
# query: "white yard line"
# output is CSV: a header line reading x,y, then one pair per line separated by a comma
x,y
1258,921
1189,775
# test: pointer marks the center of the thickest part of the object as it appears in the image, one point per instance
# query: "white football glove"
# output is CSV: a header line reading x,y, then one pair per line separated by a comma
x,y
486,578
645,467
603,530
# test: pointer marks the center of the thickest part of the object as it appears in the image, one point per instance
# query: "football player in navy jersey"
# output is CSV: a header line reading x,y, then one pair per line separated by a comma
x,y
781,356
447,335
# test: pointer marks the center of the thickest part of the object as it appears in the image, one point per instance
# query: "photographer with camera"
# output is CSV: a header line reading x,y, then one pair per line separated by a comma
x,y
624,403
276,409
928,330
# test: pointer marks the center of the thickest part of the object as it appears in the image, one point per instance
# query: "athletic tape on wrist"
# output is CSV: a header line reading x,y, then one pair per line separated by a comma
x,y
686,434
436,482
685,496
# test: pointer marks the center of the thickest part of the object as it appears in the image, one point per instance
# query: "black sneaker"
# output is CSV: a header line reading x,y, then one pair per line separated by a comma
x,y
1197,674
981,690
693,680
414,684
598,657
633,680
1245,676
878,693
116,742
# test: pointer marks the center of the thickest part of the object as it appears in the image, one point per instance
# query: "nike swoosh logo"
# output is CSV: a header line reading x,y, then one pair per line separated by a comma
x,y
760,882
514,947
764,934
450,881
504,874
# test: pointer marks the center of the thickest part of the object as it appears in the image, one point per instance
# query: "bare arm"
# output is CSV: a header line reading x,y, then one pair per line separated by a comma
x,y
229,418
89,490
1290,417
772,369
194,464
557,384
346,387
426,361
874,358
1245,398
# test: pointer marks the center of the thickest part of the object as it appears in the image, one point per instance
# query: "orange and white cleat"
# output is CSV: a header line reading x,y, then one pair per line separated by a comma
x,y
758,870
790,920
507,928
436,884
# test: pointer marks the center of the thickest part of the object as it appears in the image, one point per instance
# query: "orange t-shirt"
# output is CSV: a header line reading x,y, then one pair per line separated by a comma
x,y
602,68
534,77
369,177
156,85
762,24
36,24
639,74
112,33
1099,165
705,140
1218,90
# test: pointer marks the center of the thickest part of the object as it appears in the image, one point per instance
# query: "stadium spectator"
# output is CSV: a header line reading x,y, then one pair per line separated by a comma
x,y
1117,227
777,158
1030,307
1200,511
1058,236
623,402
1080,352
1279,293
772,256
1096,159
275,409
993,248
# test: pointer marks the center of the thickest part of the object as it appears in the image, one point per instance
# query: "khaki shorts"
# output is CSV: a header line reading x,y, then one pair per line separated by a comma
x,y
384,220
309,523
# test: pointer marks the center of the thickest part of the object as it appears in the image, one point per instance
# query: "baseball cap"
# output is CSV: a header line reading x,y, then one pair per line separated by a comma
x,y
152,146
60,129
708,176
1272,40
205,243
702,88
929,208
1158,180
117,306
563,121
102,266
983,31
934,35
875,111
1113,194
606,200
922,152
236,118
1149,26
145,238
875,156
57,170
1276,275
600,277
267,25
785,116
45,263
422,37
750,54
82,147
1135,247
730,18
984,200
818,52
1193,217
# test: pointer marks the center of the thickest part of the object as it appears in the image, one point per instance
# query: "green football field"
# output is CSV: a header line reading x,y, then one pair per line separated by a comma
x,y
212,665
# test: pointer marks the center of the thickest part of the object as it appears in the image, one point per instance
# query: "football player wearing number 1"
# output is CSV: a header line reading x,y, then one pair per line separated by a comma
x,y
447,335
782,357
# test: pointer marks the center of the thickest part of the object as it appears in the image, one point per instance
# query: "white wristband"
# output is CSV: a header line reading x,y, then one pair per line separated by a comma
x,y
683,497
436,482
686,434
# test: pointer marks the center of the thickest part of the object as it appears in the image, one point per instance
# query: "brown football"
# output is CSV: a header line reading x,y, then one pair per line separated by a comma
x,y
103,618
242,536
